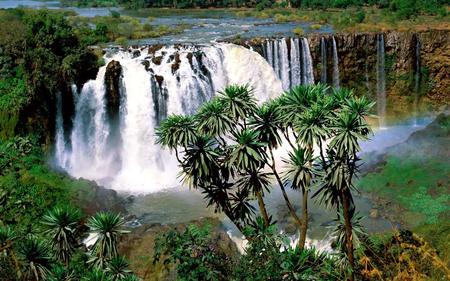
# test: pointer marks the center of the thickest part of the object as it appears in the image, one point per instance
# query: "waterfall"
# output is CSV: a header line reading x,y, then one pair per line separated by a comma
x,y
295,62
308,71
335,65
381,81
293,65
60,143
323,52
284,65
172,80
417,81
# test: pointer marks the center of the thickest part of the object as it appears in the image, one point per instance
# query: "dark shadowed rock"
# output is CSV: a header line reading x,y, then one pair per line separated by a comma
x,y
152,49
176,63
136,53
113,76
159,79
157,60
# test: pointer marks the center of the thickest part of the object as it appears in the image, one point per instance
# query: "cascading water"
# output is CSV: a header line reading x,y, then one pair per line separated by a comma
x,y
178,82
293,64
308,73
381,81
336,80
323,52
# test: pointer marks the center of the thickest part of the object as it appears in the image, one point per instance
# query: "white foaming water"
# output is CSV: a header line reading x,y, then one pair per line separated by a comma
x,y
293,65
184,78
336,79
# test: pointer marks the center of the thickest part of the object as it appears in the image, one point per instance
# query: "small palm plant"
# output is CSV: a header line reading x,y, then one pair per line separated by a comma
x,y
117,269
35,259
60,225
107,227
7,239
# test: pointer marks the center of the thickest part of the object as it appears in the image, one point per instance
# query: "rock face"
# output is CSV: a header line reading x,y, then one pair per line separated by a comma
x,y
415,63
113,77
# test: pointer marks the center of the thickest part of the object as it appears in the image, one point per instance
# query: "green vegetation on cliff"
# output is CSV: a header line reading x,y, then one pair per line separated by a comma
x,y
41,55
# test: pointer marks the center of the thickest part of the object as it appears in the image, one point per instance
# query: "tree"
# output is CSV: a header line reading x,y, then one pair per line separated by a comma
x,y
107,228
232,140
60,224
348,127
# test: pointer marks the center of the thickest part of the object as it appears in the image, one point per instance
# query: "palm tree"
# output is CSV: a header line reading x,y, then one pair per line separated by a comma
x,y
35,259
175,131
7,238
239,102
348,128
248,153
60,224
107,227
256,182
199,163
213,120
117,269
267,121
300,172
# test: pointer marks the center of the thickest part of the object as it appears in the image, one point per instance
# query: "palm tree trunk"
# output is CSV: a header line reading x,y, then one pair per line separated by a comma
x,y
304,227
16,264
348,232
283,191
262,209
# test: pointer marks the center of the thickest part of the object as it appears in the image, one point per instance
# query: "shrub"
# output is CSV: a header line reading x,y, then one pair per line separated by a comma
x,y
298,31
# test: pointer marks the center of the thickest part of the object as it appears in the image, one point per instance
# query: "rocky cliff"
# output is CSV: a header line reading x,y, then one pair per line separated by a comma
x,y
417,65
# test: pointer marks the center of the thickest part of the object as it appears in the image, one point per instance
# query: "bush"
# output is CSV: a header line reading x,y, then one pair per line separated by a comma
x,y
360,16
298,31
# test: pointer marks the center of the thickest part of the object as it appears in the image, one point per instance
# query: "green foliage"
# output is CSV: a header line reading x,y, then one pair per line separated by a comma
x,y
107,227
60,225
54,58
414,183
266,257
194,254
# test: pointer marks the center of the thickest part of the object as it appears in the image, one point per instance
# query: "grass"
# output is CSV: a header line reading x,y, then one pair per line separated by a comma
x,y
369,19
418,184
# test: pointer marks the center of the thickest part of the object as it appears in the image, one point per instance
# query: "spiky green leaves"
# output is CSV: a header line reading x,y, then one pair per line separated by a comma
x,y
60,225
35,258
312,126
213,119
117,269
254,182
176,130
248,154
107,229
238,100
267,120
199,163
7,236
300,170
348,131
